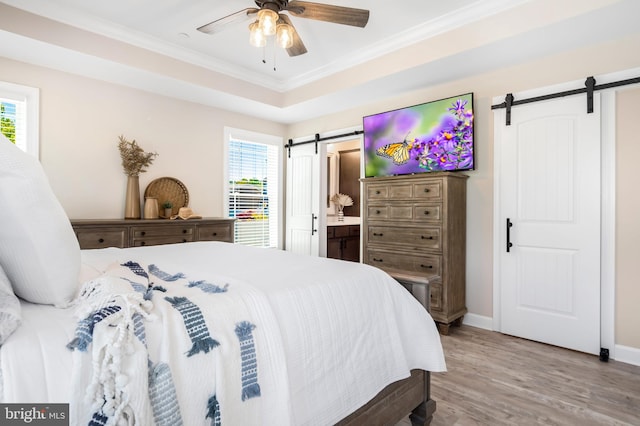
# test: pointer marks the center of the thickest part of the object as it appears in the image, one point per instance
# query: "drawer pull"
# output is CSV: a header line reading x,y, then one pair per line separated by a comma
x,y
427,266
142,243
214,234
377,192
375,234
143,233
377,260
101,240
426,212
426,190
184,231
426,238
184,240
378,212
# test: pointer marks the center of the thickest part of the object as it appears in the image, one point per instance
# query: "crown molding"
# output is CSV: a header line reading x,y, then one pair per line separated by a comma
x,y
123,34
440,25
460,17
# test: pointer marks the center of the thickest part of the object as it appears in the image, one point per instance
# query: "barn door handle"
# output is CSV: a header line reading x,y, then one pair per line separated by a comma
x,y
509,244
313,224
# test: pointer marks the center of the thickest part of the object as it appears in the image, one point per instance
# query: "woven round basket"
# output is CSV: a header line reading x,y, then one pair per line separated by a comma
x,y
168,189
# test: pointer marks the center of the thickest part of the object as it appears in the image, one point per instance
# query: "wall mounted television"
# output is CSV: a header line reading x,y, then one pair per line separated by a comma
x,y
429,137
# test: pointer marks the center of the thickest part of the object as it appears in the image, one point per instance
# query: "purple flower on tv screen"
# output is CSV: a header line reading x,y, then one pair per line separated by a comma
x,y
436,136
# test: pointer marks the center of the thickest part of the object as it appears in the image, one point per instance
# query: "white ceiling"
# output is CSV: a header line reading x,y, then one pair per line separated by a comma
x,y
169,27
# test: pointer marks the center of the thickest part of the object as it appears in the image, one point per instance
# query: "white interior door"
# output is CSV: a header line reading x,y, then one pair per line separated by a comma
x,y
305,222
548,170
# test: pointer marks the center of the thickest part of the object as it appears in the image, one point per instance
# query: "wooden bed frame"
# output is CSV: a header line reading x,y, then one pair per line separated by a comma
x,y
396,401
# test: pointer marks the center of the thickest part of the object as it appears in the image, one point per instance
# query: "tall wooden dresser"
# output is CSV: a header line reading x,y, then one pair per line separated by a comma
x,y
416,225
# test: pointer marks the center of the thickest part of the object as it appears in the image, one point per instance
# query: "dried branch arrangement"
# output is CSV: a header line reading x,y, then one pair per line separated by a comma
x,y
342,200
134,159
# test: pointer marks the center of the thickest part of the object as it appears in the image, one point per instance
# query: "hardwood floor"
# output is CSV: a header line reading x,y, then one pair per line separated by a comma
x,y
495,379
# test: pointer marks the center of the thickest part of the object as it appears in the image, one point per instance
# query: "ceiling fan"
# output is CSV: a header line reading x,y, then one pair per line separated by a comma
x,y
268,18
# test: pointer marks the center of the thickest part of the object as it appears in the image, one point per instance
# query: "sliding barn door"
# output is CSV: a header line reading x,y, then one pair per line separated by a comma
x,y
548,183
304,192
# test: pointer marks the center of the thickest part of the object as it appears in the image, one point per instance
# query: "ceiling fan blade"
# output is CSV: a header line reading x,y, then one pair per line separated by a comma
x,y
222,23
298,48
329,13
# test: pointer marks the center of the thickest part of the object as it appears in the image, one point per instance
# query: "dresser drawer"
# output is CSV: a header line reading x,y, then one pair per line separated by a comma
x,y
405,211
425,190
421,263
389,191
215,233
427,212
431,190
100,238
162,234
409,238
391,211
162,231
166,239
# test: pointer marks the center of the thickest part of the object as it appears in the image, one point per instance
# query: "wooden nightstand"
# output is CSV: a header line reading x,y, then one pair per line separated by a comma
x,y
100,233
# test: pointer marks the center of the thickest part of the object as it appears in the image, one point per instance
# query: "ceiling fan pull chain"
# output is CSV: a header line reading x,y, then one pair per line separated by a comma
x,y
274,56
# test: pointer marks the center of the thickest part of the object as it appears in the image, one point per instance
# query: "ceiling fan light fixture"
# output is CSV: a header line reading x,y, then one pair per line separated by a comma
x,y
267,19
256,36
284,35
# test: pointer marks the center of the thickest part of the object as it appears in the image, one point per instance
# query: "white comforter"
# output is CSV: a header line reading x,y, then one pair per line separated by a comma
x,y
343,330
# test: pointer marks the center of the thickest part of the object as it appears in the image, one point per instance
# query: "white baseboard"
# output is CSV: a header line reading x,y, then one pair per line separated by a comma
x,y
627,354
478,321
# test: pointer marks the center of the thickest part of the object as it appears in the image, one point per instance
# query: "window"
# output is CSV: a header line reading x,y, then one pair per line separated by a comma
x,y
253,187
19,107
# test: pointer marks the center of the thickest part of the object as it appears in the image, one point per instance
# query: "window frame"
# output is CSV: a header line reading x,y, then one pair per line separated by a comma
x,y
241,135
31,97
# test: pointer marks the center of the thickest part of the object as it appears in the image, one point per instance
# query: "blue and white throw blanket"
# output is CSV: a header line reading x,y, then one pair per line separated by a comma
x,y
159,346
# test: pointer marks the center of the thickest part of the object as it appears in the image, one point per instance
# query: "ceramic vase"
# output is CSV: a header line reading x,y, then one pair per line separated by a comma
x,y
151,208
340,216
132,198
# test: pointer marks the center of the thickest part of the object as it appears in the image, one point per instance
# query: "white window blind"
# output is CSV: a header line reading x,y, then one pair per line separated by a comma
x,y
253,196
13,120
19,107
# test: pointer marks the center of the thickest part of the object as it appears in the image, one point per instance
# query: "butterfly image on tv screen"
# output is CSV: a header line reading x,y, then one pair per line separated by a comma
x,y
398,151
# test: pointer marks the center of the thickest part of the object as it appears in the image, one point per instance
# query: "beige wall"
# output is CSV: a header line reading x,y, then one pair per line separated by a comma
x,y
81,119
575,65
627,219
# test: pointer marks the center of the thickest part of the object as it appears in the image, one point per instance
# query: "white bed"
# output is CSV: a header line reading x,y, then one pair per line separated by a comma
x,y
348,330
199,333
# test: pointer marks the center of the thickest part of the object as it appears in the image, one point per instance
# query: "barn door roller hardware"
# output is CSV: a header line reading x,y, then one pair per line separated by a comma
x,y
317,139
590,87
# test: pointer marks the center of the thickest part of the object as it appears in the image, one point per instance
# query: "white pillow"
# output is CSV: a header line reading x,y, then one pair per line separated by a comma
x,y
10,312
38,248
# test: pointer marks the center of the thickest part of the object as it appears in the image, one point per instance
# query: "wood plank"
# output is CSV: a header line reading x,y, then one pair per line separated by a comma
x,y
495,379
